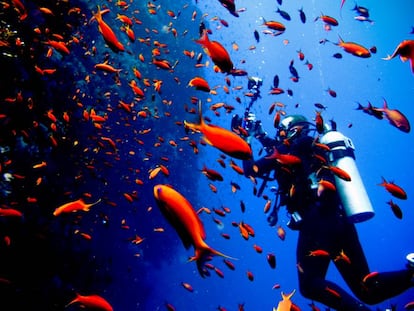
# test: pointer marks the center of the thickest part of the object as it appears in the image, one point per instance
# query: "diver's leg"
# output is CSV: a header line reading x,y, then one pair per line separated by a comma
x,y
353,267
312,283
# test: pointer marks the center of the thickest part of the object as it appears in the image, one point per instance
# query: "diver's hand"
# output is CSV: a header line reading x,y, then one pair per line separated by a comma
x,y
252,126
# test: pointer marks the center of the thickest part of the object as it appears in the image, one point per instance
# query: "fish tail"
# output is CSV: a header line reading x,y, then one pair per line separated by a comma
x,y
196,126
203,254
204,40
385,105
98,15
288,296
383,181
88,206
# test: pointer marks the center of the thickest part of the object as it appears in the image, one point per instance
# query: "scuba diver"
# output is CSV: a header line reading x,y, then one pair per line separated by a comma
x,y
319,184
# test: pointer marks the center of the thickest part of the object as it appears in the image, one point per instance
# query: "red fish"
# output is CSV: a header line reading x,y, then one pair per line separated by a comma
x,y
224,140
394,189
406,52
182,216
107,33
395,117
217,52
354,48
92,302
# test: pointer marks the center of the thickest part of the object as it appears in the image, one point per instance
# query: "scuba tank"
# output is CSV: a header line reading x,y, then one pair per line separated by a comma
x,y
353,195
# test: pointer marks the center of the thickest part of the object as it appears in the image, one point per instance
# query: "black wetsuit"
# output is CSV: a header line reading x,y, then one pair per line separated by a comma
x,y
324,226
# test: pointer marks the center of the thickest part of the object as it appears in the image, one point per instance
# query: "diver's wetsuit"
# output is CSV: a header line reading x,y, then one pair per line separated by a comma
x,y
325,227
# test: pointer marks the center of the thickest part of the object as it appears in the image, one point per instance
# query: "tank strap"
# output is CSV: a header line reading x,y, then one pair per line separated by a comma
x,y
339,149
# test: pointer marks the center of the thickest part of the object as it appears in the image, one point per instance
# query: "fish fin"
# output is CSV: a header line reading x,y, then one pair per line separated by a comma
x,y
288,296
385,105
204,40
196,126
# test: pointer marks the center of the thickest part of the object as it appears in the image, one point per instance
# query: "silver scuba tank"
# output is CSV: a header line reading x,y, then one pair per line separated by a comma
x,y
353,195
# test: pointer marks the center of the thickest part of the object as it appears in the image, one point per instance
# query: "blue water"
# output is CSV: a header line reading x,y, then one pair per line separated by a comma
x,y
48,261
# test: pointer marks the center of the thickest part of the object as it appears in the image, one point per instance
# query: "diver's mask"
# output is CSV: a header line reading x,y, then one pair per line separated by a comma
x,y
292,126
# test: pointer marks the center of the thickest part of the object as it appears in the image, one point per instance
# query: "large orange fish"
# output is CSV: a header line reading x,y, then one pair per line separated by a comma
x,y
395,117
107,33
406,52
217,52
182,216
226,141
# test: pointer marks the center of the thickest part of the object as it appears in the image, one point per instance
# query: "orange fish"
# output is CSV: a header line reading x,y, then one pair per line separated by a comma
x,y
325,185
10,212
224,140
107,68
107,33
338,172
217,52
182,216
284,159
74,206
354,48
406,52
199,84
394,189
92,302
328,20
285,304
395,117
318,252
274,25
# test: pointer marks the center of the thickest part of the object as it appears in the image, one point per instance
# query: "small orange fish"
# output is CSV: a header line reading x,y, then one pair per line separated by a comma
x,y
74,206
199,84
318,252
92,302
284,159
325,185
395,117
394,189
10,212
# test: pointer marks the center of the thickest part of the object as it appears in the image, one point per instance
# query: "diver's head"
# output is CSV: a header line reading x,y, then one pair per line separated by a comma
x,y
292,126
